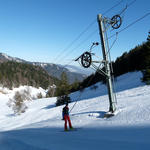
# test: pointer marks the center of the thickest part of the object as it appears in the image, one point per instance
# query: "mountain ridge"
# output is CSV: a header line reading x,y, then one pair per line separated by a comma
x,y
52,69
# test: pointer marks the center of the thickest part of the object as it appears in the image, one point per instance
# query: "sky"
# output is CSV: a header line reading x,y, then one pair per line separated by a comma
x,y
58,31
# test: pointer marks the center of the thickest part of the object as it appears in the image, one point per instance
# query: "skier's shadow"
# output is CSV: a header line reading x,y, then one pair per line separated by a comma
x,y
97,114
49,107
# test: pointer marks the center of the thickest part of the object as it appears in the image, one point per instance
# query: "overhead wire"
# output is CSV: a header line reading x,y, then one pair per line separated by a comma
x,y
91,78
83,32
129,25
107,52
115,40
93,33
109,48
112,72
119,2
122,12
81,43
112,43
132,2
84,41
68,53
67,64
127,5
134,22
79,36
76,39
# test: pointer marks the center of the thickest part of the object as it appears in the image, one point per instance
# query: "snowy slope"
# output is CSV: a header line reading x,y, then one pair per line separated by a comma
x,y
41,127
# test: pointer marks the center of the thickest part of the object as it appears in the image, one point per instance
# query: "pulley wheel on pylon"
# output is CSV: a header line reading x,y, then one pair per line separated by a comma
x,y
86,59
116,21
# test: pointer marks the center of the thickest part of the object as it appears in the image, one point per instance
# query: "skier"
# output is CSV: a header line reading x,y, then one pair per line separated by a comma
x,y
66,117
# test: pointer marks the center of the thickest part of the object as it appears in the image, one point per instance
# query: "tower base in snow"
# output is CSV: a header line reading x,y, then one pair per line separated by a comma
x,y
110,114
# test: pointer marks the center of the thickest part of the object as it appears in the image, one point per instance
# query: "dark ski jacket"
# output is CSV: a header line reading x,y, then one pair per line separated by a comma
x,y
65,111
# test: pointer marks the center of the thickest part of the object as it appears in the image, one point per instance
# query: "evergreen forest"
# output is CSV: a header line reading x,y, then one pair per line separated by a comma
x,y
14,74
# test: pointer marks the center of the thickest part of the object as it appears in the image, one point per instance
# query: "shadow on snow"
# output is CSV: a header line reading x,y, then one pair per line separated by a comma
x,y
104,138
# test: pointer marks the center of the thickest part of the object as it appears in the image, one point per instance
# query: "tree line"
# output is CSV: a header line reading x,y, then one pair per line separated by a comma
x,y
14,74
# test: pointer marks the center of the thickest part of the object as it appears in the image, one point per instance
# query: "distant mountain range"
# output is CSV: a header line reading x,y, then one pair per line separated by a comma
x,y
73,73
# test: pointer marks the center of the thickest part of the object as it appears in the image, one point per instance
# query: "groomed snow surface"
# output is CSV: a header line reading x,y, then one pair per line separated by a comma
x,y
41,127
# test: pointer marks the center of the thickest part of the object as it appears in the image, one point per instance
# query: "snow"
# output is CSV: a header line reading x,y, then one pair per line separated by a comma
x,y
43,65
32,90
6,56
41,127
10,58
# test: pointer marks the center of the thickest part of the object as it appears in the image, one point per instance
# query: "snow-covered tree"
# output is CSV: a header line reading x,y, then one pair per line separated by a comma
x,y
17,103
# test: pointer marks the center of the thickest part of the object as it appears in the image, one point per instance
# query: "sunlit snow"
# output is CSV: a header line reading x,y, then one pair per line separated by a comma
x,y
41,127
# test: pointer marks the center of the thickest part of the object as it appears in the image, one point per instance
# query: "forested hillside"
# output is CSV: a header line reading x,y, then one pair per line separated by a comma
x,y
54,70
134,60
13,74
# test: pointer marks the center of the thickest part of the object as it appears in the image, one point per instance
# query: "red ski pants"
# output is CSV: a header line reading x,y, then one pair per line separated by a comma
x,y
67,119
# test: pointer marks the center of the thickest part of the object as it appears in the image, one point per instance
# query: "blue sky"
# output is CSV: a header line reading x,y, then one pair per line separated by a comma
x,y
42,30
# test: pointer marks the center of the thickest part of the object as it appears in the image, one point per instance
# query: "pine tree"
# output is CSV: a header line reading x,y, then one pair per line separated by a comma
x,y
148,38
63,87
146,76
75,85
62,91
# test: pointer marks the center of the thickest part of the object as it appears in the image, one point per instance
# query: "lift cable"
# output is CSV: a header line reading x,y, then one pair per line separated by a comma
x,y
92,33
112,7
76,39
108,52
134,22
83,32
126,7
112,72
81,43
91,78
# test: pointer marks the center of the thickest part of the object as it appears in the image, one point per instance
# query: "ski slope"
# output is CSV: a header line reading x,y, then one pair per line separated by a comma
x,y
41,127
